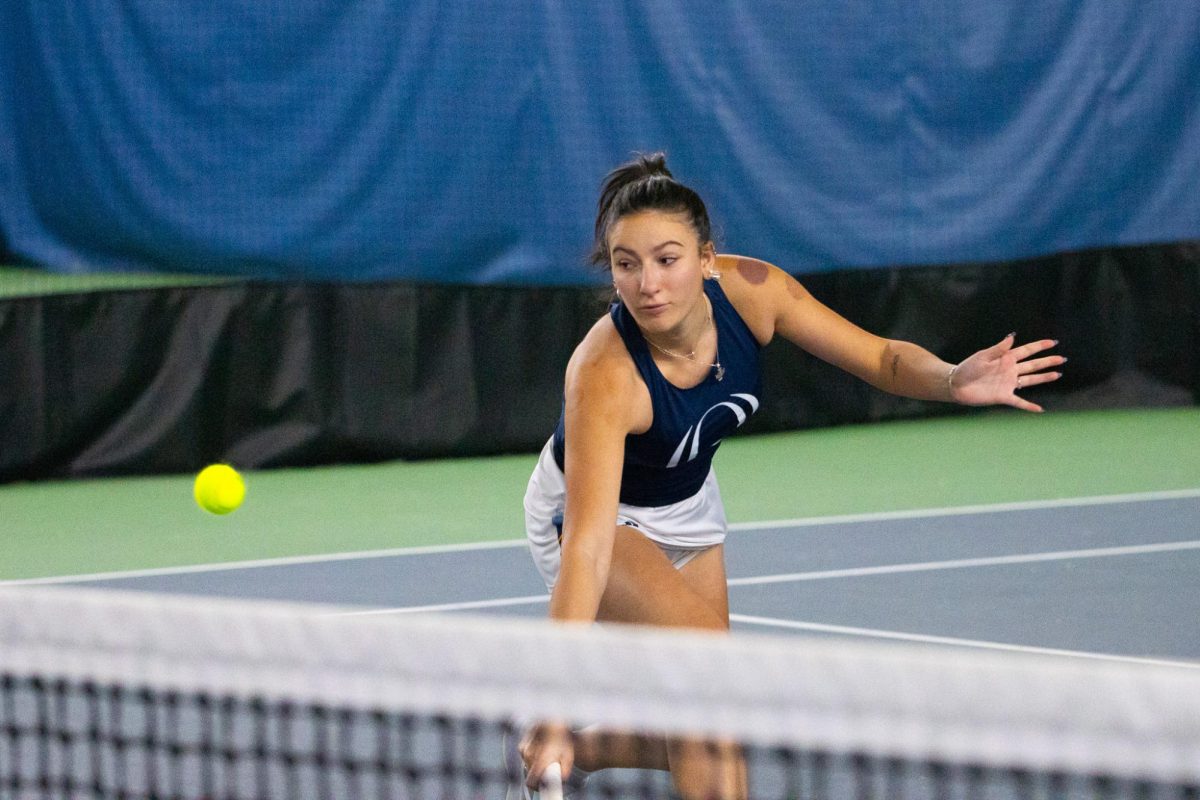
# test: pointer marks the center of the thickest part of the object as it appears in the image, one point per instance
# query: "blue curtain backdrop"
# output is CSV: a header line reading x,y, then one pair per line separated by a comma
x,y
463,141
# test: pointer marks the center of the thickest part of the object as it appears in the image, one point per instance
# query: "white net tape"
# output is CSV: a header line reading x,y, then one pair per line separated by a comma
x,y
1035,711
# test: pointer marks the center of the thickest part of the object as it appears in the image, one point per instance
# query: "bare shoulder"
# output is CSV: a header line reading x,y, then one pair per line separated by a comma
x,y
759,291
602,378
601,352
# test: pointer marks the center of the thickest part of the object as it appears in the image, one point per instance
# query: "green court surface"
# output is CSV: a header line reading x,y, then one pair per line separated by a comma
x,y
28,282
90,526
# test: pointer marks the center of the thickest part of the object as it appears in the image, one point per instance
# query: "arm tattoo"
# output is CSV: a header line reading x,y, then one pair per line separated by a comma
x,y
895,368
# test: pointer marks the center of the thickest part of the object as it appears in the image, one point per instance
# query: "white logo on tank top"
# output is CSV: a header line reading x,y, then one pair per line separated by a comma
x,y
693,433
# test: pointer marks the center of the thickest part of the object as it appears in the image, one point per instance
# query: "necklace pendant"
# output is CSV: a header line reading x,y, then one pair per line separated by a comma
x,y
720,373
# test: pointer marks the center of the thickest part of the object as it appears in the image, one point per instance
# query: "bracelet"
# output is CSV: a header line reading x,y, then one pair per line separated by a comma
x,y
950,380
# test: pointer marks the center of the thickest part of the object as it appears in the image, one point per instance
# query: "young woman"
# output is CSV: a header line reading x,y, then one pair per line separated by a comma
x,y
623,512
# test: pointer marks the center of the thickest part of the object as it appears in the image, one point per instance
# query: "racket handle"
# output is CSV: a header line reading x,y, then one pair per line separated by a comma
x,y
552,788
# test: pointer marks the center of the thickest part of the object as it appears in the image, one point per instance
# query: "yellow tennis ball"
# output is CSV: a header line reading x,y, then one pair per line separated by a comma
x,y
219,489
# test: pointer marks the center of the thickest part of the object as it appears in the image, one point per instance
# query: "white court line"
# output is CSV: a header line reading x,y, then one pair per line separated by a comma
x,y
832,574
953,511
817,627
765,525
286,561
964,563
873,633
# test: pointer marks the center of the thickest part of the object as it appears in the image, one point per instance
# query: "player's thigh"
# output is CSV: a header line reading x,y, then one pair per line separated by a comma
x,y
706,575
644,588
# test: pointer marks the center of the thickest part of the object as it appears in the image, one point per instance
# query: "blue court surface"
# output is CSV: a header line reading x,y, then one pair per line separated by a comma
x,y
1101,577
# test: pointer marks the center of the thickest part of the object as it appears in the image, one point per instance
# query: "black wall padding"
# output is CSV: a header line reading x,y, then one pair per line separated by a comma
x,y
271,374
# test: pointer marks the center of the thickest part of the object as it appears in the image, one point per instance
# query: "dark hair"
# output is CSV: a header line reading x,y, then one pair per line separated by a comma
x,y
645,184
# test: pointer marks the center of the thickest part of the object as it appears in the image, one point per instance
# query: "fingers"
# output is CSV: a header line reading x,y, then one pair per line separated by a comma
x,y
533,776
1023,404
1040,377
1026,350
566,760
1039,364
542,745
536,774
1002,346
1024,382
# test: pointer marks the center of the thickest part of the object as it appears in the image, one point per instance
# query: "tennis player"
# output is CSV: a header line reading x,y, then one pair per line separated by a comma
x,y
623,512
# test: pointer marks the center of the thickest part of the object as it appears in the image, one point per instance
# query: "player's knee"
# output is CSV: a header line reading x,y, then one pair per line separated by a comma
x,y
707,770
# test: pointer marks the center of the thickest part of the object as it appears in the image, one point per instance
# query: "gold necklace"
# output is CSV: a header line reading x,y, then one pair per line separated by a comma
x,y
692,355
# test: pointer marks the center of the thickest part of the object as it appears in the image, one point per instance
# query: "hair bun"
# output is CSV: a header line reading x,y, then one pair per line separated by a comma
x,y
653,164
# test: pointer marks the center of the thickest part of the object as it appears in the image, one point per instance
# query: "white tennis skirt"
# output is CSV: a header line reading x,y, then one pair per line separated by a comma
x,y
683,530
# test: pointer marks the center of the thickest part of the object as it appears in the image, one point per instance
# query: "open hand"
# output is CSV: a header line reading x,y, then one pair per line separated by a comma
x,y
995,375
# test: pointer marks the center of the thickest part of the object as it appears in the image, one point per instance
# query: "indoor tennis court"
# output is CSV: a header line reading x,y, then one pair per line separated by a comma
x,y
1102,579
292,296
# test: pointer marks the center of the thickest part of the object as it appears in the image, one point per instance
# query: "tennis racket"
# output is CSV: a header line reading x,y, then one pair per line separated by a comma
x,y
552,788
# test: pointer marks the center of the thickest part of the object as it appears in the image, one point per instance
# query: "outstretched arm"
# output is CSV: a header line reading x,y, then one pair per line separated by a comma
x,y
604,403
601,409
774,302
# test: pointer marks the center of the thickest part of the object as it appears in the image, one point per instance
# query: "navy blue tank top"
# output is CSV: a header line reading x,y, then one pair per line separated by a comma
x,y
670,461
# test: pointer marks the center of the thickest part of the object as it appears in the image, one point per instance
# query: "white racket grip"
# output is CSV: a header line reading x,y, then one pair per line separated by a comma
x,y
551,788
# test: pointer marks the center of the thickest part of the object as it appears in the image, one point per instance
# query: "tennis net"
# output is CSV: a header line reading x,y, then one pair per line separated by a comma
x,y
107,694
